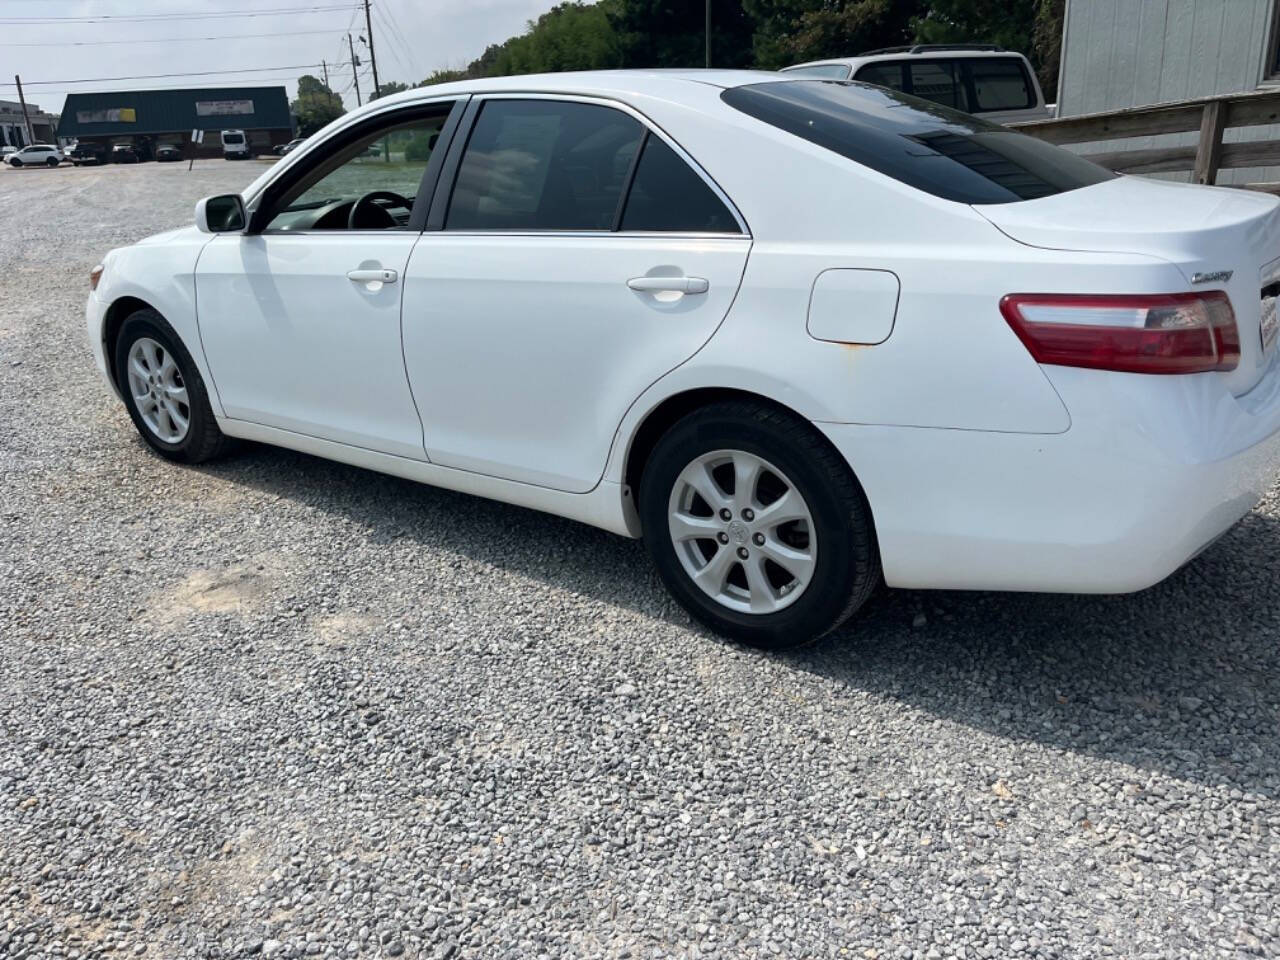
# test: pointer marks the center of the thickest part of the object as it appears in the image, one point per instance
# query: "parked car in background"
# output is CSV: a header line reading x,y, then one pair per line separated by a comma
x,y
235,145
800,335
292,145
88,154
168,151
6,151
124,153
36,155
981,79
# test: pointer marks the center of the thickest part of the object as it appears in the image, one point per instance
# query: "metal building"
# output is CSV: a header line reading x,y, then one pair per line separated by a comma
x,y
1128,53
13,126
146,118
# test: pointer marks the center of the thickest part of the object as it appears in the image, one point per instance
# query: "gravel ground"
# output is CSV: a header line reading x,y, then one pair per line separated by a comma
x,y
280,706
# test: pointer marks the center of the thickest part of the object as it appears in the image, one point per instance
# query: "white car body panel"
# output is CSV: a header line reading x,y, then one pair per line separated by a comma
x,y
533,368
294,344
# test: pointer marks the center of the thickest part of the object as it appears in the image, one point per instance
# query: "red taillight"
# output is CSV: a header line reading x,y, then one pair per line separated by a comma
x,y
1156,333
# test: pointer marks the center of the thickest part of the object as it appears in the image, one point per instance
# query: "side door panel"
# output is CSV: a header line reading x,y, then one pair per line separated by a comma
x,y
293,343
524,352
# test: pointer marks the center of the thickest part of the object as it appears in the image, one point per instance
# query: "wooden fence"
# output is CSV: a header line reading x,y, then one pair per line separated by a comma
x,y
1211,116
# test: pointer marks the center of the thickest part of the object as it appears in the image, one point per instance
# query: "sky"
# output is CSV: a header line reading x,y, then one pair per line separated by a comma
x,y
41,41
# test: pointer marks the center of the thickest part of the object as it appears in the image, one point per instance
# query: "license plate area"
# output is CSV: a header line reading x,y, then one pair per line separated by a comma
x,y
1269,322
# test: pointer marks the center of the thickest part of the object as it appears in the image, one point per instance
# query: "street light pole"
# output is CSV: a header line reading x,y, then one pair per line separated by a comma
x,y
708,64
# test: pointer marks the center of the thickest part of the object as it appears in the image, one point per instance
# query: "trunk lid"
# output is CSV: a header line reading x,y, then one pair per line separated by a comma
x,y
1203,231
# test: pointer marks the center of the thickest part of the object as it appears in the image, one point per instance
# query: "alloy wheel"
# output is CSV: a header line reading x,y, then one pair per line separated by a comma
x,y
158,390
742,531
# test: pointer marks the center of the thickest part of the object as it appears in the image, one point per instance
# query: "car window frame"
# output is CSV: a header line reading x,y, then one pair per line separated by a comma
x,y
321,151
448,179
971,88
963,67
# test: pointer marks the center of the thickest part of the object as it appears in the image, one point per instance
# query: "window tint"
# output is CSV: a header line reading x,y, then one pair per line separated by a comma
x,y
827,71
543,165
668,196
939,81
942,152
887,74
1000,83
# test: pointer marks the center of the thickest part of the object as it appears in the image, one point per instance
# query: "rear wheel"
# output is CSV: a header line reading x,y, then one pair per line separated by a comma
x,y
163,391
757,525
53,161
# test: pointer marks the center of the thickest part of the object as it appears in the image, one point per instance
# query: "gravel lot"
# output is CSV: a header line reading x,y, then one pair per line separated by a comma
x,y
280,706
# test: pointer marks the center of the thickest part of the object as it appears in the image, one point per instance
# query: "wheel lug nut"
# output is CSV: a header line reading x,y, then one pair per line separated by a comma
x,y
726,515
722,537
759,539
742,552
748,514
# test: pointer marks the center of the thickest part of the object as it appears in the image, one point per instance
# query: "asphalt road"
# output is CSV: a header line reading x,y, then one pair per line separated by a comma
x,y
279,706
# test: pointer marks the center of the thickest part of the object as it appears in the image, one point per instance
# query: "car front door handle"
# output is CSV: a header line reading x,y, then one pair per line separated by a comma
x,y
669,284
372,276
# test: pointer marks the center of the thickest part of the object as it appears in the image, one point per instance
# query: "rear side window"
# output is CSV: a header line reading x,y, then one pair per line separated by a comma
x,y
942,152
825,71
1000,83
543,165
667,196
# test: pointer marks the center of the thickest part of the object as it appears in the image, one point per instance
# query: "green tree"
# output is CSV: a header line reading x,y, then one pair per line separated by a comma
x,y
793,31
388,87
671,33
316,105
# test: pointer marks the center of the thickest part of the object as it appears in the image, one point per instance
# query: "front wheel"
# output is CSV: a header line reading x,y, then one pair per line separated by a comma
x,y
757,525
163,391
15,163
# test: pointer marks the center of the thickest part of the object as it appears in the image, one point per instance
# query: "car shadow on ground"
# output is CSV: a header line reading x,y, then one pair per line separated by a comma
x,y
1182,679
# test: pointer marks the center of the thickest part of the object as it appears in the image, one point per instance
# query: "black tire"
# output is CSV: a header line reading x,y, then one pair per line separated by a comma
x,y
53,161
847,566
15,163
203,440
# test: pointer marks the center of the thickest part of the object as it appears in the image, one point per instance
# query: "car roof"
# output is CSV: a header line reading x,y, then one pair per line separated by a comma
x,y
906,53
589,82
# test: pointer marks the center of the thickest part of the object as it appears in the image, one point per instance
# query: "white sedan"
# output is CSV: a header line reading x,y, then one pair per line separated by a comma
x,y
802,336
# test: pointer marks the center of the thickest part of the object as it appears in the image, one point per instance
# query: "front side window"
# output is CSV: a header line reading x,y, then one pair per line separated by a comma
x,y
889,74
927,146
381,171
543,165
999,83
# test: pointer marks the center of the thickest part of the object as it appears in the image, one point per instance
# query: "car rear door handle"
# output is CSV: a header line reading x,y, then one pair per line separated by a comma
x,y
372,276
669,284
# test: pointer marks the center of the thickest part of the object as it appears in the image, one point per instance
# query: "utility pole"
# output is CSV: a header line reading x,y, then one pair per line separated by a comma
x,y
373,60
708,64
26,119
355,67
332,96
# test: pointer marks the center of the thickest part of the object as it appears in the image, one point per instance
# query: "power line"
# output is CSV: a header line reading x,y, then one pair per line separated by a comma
x,y
156,76
170,17
98,43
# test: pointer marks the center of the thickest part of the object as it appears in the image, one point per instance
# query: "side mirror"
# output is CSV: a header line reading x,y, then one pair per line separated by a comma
x,y
224,214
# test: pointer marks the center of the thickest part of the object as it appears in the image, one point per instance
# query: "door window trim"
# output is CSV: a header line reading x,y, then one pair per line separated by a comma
x,y
264,199
457,148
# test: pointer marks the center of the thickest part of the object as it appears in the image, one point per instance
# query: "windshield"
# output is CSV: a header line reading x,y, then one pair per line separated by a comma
x,y
930,147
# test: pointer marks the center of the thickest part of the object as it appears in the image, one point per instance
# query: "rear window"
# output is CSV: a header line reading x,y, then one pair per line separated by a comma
x,y
826,71
232,138
922,144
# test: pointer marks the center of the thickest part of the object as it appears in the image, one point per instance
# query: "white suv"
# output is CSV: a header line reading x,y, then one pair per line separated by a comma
x,y
38,154
976,78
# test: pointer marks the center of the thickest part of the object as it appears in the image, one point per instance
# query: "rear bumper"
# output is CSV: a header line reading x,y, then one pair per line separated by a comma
x,y
1152,470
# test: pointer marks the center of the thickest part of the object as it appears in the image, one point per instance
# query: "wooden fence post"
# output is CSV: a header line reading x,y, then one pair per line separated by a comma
x,y
1209,149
